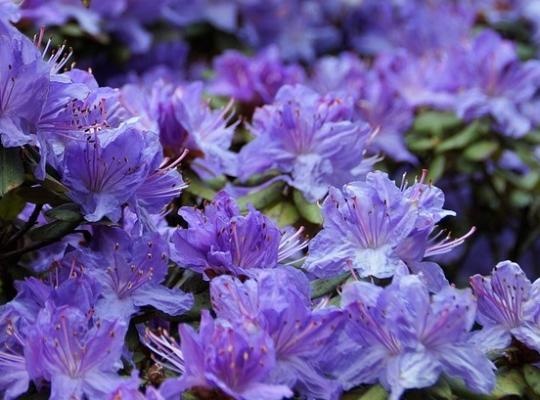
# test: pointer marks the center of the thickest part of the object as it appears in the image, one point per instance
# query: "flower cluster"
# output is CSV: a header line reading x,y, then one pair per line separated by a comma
x,y
243,213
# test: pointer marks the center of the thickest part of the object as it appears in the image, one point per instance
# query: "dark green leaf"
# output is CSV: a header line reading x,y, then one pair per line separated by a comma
x,y
375,392
481,150
322,287
53,230
436,168
41,195
436,122
11,170
11,205
520,198
54,185
461,139
200,188
422,144
262,198
201,302
509,383
284,213
532,377
309,211
441,391
69,212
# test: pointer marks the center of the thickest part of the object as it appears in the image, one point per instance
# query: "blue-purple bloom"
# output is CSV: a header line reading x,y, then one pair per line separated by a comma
x,y
313,140
278,303
508,306
409,25
59,12
103,171
24,85
14,375
376,228
79,356
499,85
299,28
377,100
130,271
227,359
404,338
220,13
253,80
185,121
219,240
108,169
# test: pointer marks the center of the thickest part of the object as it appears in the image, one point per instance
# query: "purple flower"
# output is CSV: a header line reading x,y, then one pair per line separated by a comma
x,y
409,25
9,11
103,172
376,228
185,120
219,240
431,80
274,302
220,13
110,168
228,359
59,12
406,338
14,375
78,356
312,140
24,85
299,28
254,80
66,283
499,85
130,271
128,389
376,100
90,109
507,306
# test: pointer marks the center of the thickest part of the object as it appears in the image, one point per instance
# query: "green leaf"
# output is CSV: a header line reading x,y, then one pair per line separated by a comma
x,y
481,150
441,391
11,205
322,287
41,195
262,198
11,170
69,212
53,230
436,122
201,302
532,377
73,30
436,168
309,211
375,392
199,188
284,213
461,139
422,144
509,383
54,185
520,198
